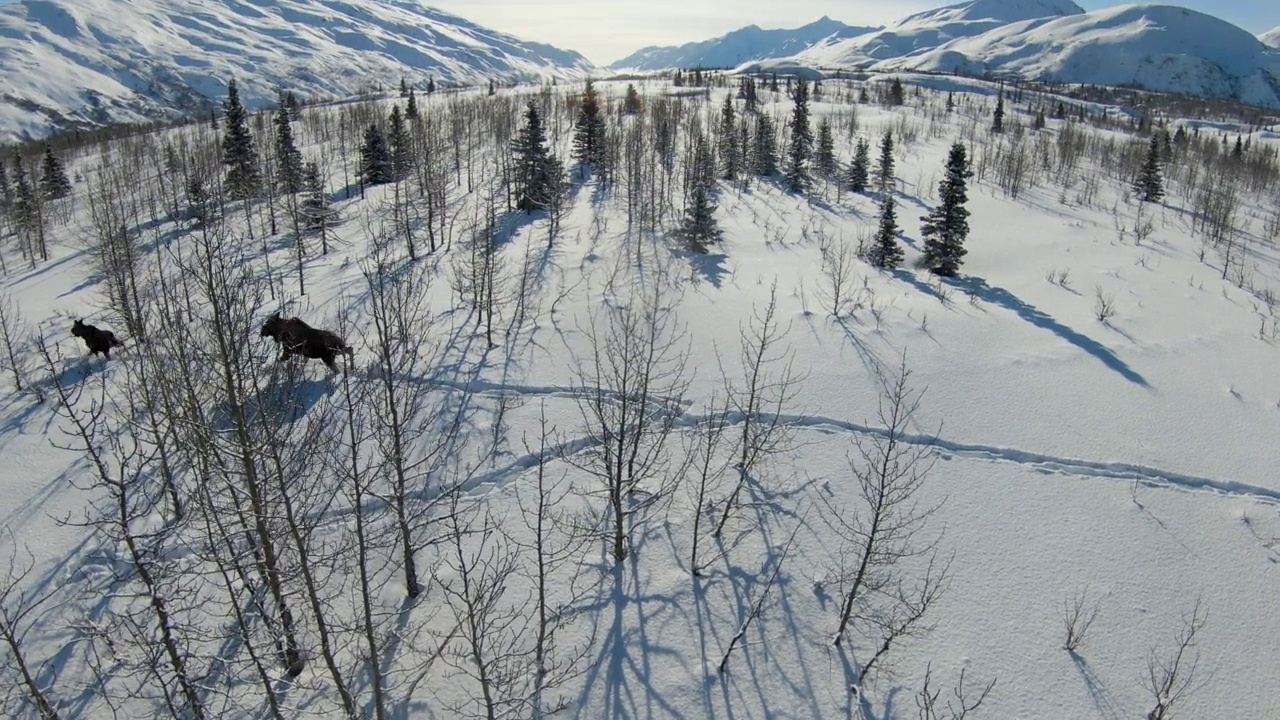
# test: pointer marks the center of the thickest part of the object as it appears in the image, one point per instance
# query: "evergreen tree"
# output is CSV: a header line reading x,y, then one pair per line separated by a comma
x,y
947,226
375,158
1038,123
404,87
730,152
431,85
1150,185
315,203
411,106
951,103
764,156
773,82
1061,112
288,159
997,118
398,139
801,139
28,212
896,94
885,252
862,95
1238,151
750,96
699,226
238,151
197,200
588,129
860,169
533,171
1180,136
6,192
492,89
884,168
53,178
826,159
631,103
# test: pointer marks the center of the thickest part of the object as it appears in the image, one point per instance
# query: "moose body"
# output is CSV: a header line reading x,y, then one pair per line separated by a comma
x,y
295,337
98,340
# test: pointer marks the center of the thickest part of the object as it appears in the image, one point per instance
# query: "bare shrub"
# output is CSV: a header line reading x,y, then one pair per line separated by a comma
x,y
1078,613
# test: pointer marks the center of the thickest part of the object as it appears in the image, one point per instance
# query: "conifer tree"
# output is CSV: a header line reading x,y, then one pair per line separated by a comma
x,y
315,204
631,103
6,192
588,129
53,178
885,252
400,146
533,170
730,152
997,117
947,226
1060,113
826,159
431,85
896,94
197,200
801,139
288,158
1038,123
859,169
238,151
28,213
884,168
1238,151
1149,184
404,87
699,226
951,103
375,158
862,95
411,106
765,153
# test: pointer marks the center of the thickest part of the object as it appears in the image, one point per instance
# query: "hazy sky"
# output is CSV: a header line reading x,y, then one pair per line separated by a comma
x,y
608,30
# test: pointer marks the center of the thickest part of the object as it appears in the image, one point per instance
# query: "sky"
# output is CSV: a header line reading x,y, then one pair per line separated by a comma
x,y
609,30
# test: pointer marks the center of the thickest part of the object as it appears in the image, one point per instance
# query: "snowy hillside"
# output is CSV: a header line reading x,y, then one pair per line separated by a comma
x,y
575,468
742,45
929,29
1151,46
65,63
1271,37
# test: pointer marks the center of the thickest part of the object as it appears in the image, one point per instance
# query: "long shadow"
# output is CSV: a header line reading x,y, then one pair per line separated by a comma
x,y
709,266
999,296
1102,697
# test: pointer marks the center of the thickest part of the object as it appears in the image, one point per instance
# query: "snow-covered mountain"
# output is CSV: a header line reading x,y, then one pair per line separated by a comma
x,y
1271,37
65,63
742,45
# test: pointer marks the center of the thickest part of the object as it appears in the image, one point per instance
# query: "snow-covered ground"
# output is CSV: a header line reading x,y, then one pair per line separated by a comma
x,y
1132,458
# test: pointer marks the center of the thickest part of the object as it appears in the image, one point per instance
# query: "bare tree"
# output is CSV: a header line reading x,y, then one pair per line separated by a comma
x,y
18,610
1171,676
13,333
959,709
1077,615
706,449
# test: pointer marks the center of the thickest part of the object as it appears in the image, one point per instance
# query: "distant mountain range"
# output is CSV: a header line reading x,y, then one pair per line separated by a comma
x,y
1271,37
76,64
740,46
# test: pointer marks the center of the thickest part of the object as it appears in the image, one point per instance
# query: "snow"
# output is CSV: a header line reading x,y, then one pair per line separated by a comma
x,y
740,46
72,64
1271,37
1135,457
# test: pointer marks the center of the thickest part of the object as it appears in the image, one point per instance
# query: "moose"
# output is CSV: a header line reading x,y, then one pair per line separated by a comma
x,y
98,340
295,337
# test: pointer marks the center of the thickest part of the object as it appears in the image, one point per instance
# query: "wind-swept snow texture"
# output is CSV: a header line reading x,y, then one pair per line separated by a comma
x,y
70,64
742,45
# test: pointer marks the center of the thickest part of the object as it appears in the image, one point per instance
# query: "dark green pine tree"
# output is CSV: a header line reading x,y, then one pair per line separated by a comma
x,y
947,226
532,163
53,178
885,252
727,141
896,94
951,103
431,85
588,129
631,102
1039,122
26,204
404,87
1060,113
862,95
826,157
288,158
699,227
375,158
315,202
197,200
801,147
997,117
1149,184
1237,152
238,151
764,155
400,146
884,168
860,168
6,191
411,106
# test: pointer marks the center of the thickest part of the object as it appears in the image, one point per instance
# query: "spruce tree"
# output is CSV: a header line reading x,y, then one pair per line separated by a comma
x,y
288,158
197,200
885,252
375,158
6,192
588,129
404,87
826,158
947,226
730,152
801,139
431,85
951,103
532,169
1150,185
53,178
764,156
315,203
896,94
400,148
859,169
699,226
997,118
884,168
238,151
631,103
1039,122
411,106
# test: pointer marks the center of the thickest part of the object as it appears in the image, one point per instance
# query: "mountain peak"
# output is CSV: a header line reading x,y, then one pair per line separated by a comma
x,y
739,46
999,11
1271,37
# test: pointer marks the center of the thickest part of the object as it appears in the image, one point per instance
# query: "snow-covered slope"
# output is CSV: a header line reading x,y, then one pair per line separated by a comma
x,y
742,45
74,64
1271,37
931,28
1156,47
